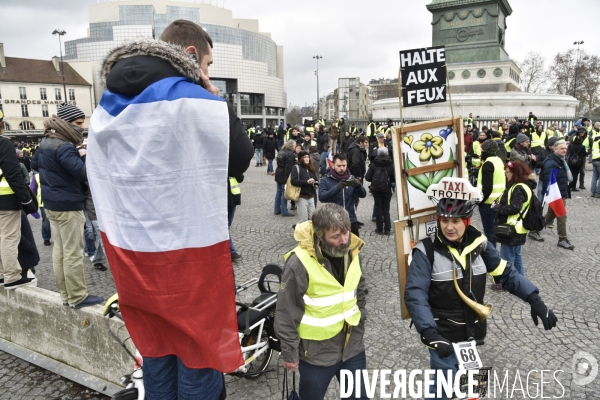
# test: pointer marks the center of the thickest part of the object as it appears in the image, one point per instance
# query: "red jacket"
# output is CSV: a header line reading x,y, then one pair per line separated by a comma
x,y
468,141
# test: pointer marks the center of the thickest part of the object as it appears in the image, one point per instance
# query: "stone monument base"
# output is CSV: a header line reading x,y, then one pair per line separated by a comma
x,y
484,76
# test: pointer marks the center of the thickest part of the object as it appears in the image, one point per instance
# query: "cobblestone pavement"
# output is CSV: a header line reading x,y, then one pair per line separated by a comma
x,y
569,283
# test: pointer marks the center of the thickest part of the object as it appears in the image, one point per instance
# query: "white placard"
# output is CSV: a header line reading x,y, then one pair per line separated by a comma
x,y
430,227
467,355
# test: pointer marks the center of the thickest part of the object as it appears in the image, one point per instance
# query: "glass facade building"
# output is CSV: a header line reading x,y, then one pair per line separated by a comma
x,y
248,64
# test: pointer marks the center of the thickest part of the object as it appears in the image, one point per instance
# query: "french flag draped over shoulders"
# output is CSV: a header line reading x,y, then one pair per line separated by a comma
x,y
553,197
157,167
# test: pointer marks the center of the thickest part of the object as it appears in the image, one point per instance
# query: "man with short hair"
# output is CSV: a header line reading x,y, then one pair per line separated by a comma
x,y
562,132
492,182
521,151
339,186
321,303
159,94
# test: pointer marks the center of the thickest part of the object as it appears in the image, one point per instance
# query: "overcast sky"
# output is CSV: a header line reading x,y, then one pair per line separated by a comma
x,y
356,38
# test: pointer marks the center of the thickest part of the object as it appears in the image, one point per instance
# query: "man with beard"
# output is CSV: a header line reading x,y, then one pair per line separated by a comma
x,y
339,186
321,303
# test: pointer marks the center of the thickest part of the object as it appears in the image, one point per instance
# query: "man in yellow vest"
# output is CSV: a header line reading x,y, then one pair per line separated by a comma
x,y
596,167
492,182
13,196
371,131
321,303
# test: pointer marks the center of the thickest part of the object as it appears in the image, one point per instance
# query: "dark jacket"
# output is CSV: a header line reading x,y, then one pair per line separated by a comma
x,y
373,151
554,162
9,165
259,141
322,142
232,199
436,304
285,163
502,153
504,210
382,162
300,176
131,75
577,150
345,141
270,145
357,157
62,175
520,153
315,159
28,254
328,193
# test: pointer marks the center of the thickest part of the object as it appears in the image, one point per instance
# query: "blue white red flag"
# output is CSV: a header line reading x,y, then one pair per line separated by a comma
x,y
553,197
329,158
157,167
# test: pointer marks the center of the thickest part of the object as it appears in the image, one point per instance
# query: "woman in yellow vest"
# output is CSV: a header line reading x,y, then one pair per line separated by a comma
x,y
511,209
491,181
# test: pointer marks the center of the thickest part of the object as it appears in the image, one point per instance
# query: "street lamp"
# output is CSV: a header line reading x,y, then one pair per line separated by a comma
x,y
576,66
61,33
317,74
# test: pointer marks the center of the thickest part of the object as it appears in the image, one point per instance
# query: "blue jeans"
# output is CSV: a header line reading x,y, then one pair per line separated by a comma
x,y
270,165
280,201
487,219
99,256
89,235
323,163
513,255
46,232
230,215
441,365
315,380
259,156
167,378
595,177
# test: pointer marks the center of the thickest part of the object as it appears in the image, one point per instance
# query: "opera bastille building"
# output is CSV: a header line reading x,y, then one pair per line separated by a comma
x,y
248,64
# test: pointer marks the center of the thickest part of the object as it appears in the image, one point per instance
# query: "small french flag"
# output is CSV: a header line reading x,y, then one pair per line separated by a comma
x,y
329,158
553,196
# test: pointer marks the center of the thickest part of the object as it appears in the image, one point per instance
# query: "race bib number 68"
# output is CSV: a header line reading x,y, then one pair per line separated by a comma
x,y
467,355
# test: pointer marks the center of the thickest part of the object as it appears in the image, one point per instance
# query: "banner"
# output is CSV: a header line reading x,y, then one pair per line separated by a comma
x,y
423,76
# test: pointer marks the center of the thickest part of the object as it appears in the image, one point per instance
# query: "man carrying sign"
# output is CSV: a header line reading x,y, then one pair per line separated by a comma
x,y
441,315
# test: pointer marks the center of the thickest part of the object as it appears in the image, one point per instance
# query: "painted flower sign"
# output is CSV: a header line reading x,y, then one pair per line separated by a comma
x,y
429,147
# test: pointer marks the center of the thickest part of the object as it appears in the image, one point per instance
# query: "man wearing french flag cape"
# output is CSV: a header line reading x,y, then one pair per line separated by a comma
x,y
161,146
555,178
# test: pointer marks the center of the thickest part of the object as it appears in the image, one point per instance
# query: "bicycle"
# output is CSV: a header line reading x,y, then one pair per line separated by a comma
x,y
255,329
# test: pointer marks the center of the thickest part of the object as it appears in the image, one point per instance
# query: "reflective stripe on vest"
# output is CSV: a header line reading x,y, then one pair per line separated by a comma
x,y
5,188
39,190
476,161
595,134
288,132
508,145
327,304
516,220
498,181
235,186
596,150
371,129
538,140
586,144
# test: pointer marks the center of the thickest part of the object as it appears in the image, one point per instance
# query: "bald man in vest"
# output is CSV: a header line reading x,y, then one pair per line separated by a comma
x,y
323,271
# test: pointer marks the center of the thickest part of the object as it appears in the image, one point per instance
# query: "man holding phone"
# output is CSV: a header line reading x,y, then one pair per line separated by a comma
x,y
339,186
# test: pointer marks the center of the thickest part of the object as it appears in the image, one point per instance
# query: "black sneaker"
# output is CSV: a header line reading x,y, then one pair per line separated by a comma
x,y
100,267
293,208
535,236
565,244
294,226
581,187
387,233
235,256
89,301
373,219
360,223
20,282
47,243
378,232
288,215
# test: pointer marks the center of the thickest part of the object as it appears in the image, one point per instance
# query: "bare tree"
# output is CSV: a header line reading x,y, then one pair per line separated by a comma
x,y
534,76
294,116
562,73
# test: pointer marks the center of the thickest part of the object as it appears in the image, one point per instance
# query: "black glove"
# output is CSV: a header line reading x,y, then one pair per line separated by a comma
x,y
432,339
357,183
539,309
29,207
340,186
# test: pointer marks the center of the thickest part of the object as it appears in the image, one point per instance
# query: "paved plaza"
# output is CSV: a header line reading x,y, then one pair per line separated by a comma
x,y
569,283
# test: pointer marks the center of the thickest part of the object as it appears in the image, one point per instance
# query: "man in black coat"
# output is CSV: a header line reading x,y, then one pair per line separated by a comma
x,y
269,151
357,159
285,163
557,161
13,196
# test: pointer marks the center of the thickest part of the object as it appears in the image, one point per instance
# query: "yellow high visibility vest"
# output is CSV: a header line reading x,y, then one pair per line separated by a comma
x,y
499,179
516,220
477,152
596,150
586,144
327,304
508,145
371,129
5,188
39,190
595,134
233,183
288,132
538,140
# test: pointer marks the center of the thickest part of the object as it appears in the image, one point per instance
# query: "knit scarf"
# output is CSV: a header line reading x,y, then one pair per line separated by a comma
x,y
569,174
331,172
58,128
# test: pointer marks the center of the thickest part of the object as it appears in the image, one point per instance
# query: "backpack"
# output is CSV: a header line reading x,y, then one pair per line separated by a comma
x,y
380,181
573,160
534,219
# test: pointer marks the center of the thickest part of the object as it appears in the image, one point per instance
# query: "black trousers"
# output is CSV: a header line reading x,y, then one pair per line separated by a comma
x,y
354,228
382,210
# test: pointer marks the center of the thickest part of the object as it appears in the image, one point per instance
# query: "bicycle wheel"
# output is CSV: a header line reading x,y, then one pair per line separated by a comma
x,y
127,394
260,363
